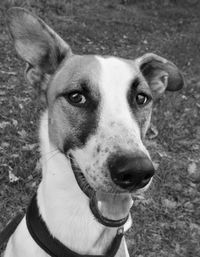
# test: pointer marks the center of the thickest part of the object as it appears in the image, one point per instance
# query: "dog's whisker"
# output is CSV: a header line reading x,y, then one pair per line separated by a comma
x,y
157,177
53,155
50,152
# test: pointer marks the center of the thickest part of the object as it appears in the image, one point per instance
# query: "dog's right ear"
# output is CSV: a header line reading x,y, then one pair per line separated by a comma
x,y
160,74
37,44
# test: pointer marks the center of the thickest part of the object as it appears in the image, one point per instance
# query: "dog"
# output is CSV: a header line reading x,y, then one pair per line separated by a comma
x,y
98,110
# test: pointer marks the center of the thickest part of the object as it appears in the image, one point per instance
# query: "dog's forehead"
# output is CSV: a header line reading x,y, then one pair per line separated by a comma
x,y
117,74
99,73
74,71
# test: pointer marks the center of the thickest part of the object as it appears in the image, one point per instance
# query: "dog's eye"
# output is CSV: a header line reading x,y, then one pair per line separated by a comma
x,y
76,98
142,99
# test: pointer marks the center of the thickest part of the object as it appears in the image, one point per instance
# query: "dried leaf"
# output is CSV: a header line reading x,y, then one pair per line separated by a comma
x,y
189,205
194,172
178,248
21,106
194,226
2,93
8,72
4,124
38,166
195,147
15,155
22,133
14,122
30,177
34,184
177,187
12,177
192,167
4,145
163,154
156,165
11,87
29,147
169,203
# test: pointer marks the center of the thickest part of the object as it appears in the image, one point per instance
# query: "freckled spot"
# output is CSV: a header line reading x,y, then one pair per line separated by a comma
x,y
106,175
87,169
98,148
102,136
116,148
130,141
106,150
112,124
102,171
96,163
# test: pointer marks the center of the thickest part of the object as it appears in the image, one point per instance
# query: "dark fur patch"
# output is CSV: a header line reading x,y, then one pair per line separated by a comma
x,y
132,91
141,114
84,124
72,125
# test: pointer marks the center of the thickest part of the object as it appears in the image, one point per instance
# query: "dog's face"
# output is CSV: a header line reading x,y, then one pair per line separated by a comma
x,y
99,109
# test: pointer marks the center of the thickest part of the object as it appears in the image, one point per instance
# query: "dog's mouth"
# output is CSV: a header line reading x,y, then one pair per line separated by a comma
x,y
111,210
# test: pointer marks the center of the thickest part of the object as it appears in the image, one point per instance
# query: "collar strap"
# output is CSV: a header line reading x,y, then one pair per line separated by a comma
x,y
52,246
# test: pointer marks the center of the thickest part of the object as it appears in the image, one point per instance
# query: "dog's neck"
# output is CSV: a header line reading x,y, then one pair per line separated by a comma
x,y
64,207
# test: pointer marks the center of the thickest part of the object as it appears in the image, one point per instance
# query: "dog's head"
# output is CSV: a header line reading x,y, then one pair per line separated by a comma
x,y
99,110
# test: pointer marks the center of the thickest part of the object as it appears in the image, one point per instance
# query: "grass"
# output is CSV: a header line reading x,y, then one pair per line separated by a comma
x,y
167,222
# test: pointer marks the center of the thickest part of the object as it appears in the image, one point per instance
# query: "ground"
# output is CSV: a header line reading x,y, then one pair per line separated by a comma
x,y
167,222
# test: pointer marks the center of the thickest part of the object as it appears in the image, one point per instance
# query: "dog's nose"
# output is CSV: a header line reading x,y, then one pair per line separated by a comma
x,y
130,172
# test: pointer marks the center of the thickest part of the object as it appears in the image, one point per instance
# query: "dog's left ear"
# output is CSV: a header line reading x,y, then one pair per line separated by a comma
x,y
37,44
160,74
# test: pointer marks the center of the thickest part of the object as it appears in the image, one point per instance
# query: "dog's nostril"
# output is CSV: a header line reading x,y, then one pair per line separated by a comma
x,y
126,178
130,172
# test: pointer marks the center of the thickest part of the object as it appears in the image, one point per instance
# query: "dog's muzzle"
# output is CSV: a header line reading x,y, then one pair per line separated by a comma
x,y
129,174
90,192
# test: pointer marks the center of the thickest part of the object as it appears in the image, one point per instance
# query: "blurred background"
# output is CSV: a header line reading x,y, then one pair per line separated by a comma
x,y
167,222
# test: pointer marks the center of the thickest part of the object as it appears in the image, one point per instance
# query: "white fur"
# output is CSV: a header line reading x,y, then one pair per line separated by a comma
x,y
115,80
117,127
64,208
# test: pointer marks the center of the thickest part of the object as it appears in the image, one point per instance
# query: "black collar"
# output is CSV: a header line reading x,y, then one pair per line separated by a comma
x,y
52,246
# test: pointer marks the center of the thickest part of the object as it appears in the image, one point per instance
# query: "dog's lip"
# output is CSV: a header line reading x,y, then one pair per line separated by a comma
x,y
103,220
91,193
80,178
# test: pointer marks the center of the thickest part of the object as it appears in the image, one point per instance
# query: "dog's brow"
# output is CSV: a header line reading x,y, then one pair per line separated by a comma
x,y
83,84
135,83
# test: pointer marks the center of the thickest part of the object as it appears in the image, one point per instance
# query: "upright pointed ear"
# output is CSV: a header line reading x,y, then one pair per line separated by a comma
x,y
37,44
160,74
